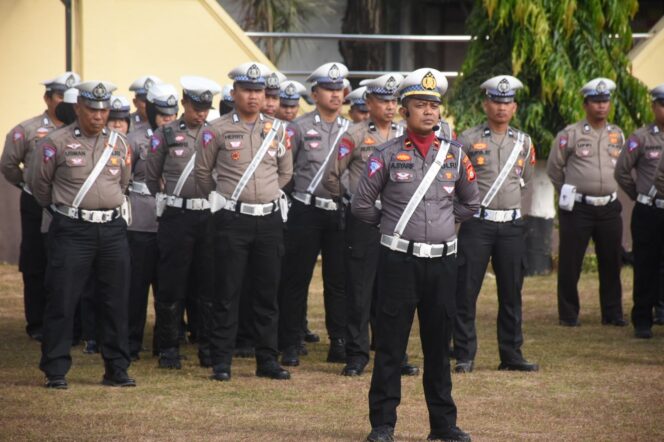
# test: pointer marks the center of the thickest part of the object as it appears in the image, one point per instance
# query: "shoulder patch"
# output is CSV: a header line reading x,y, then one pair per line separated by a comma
x,y
373,166
346,146
49,152
562,143
155,142
17,135
632,143
208,136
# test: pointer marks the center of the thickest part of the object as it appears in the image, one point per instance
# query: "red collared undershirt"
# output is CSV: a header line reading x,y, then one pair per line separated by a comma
x,y
422,142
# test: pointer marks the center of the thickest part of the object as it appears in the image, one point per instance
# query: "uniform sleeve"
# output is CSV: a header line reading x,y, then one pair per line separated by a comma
x,y
13,155
295,141
627,159
558,159
371,185
659,178
206,158
154,165
529,166
42,179
465,142
285,161
126,167
343,152
467,201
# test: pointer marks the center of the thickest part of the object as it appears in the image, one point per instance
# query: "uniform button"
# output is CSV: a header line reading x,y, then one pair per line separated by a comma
x,y
429,222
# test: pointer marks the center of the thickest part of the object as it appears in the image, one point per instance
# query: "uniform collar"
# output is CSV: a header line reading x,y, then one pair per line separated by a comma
x,y
654,129
487,132
318,120
79,133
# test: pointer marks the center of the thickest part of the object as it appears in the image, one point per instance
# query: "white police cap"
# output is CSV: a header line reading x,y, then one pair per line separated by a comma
x,y
424,84
273,83
329,76
62,82
291,92
598,89
357,99
385,86
120,107
501,88
95,94
165,98
226,93
142,85
199,90
71,96
657,93
250,75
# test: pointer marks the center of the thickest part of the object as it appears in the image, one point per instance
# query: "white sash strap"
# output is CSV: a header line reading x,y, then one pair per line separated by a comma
x,y
319,175
96,170
502,176
184,175
422,189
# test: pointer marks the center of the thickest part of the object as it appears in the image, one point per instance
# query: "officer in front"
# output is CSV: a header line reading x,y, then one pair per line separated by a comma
x,y
504,159
20,144
185,228
641,155
425,185
358,111
140,87
313,225
82,177
245,161
289,99
581,166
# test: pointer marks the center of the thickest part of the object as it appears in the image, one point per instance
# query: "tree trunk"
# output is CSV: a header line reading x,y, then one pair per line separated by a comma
x,y
363,17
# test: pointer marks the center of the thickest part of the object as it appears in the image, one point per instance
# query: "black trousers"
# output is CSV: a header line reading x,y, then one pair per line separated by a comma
x,y
254,244
604,225
648,247
362,249
89,311
311,231
185,246
32,263
144,254
245,337
79,250
404,284
504,244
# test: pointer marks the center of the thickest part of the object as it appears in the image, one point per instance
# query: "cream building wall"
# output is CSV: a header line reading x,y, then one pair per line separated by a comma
x,y
648,57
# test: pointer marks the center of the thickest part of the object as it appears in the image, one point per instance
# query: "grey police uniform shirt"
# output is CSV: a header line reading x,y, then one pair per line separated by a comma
x,y
68,157
20,145
489,152
312,140
229,146
351,154
143,207
395,170
136,123
586,158
171,148
659,179
642,152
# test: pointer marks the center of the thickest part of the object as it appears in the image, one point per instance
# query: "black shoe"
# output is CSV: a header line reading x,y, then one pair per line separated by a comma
x,y
118,379
618,322
90,347
383,433
522,365
134,357
310,336
244,352
272,370
56,383
221,374
643,333
451,434
352,369
409,369
290,357
37,336
657,320
570,323
170,358
337,352
302,349
463,366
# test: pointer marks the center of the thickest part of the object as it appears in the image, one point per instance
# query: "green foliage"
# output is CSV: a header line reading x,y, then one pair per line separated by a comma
x,y
554,47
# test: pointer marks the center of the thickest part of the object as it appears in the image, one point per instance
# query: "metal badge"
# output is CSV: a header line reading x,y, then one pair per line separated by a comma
x,y
70,81
253,72
206,96
273,81
148,84
503,86
172,101
391,84
601,87
290,89
334,72
117,104
99,91
429,81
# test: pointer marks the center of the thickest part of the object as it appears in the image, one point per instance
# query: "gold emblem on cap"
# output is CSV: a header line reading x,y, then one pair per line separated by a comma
x,y
429,81
503,86
253,72
334,73
99,91
290,89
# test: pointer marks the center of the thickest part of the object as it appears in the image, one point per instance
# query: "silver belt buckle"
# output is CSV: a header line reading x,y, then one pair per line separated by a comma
x,y
425,250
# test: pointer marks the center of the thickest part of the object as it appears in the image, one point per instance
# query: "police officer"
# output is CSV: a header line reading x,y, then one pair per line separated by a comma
x,y
581,165
226,103
272,90
252,160
313,224
161,108
503,158
642,153
425,186
140,88
359,111
183,236
19,147
119,118
289,99
83,174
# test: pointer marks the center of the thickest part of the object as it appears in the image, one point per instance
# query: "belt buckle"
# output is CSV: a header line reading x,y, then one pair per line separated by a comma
x,y
425,250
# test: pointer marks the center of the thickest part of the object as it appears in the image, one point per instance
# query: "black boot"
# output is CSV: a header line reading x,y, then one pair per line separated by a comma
x,y
337,352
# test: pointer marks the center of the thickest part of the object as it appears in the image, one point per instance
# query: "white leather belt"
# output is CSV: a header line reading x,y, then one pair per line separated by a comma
x,y
139,187
595,200
419,249
321,203
187,203
650,201
92,216
498,216
253,209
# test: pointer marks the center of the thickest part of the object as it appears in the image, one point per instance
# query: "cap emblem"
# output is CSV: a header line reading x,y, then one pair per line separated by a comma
x,y
391,84
206,96
99,91
148,84
172,101
117,104
429,82
273,81
290,89
253,72
334,72
70,81
601,87
503,86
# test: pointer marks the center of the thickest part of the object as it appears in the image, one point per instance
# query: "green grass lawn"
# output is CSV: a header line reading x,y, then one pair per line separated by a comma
x,y
595,383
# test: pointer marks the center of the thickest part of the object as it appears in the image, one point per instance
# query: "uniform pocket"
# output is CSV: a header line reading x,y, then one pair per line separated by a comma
x,y
402,176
